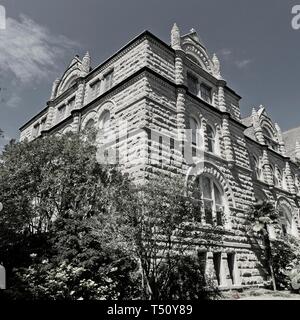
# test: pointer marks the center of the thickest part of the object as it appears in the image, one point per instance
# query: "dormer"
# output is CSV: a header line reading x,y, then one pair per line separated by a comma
x,y
77,69
195,50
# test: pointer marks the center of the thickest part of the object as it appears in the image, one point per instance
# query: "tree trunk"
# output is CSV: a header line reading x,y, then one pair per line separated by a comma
x,y
269,257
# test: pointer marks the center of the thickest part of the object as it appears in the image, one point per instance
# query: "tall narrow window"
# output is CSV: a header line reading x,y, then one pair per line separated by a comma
x,y
231,266
210,139
43,124
195,136
205,93
108,80
61,112
192,82
217,258
36,130
105,126
258,168
212,196
71,105
95,89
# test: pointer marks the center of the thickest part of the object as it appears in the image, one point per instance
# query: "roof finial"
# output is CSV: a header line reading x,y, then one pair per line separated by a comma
x,y
86,63
216,67
175,38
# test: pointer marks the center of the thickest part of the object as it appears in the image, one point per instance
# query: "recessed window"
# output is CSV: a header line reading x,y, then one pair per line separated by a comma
x,y
270,139
61,112
108,80
193,84
212,196
95,89
205,93
210,139
71,105
195,135
258,168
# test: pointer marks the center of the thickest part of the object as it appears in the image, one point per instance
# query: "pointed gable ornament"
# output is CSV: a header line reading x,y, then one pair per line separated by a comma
x,y
175,38
86,64
216,67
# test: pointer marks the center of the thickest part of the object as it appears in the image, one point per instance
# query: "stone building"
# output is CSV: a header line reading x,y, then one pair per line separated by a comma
x,y
171,111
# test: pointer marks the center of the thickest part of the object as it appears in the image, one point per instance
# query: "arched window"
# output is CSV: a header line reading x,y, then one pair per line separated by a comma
x,y
213,200
104,126
270,139
90,124
194,126
258,168
210,139
278,178
285,220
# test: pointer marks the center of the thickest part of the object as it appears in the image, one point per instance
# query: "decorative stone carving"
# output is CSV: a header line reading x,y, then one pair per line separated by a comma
x,y
216,67
175,38
86,64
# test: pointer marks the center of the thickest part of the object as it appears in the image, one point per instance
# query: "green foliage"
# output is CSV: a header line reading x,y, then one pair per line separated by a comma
x,y
286,261
72,228
187,280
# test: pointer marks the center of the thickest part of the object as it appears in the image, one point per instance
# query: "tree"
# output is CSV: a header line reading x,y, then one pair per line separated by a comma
x,y
261,216
165,223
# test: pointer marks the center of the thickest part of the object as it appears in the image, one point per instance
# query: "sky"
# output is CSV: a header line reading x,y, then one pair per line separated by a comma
x,y
258,49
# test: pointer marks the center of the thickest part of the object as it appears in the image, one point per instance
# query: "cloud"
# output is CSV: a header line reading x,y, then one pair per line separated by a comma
x,y
230,56
29,51
225,52
243,63
13,101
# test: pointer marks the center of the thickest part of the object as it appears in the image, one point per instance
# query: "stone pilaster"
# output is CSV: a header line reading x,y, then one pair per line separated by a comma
x,y
221,96
50,115
79,95
267,171
76,121
227,140
181,122
289,178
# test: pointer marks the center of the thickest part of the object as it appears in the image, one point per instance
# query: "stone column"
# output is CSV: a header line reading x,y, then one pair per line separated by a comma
x,y
225,277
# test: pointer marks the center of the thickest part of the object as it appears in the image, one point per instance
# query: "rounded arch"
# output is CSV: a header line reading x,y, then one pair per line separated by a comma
x,y
287,216
68,79
195,59
67,129
108,105
208,168
92,115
